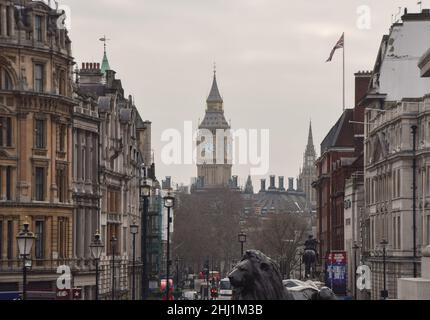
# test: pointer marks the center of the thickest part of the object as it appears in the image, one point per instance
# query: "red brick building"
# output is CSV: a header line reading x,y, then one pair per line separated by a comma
x,y
341,156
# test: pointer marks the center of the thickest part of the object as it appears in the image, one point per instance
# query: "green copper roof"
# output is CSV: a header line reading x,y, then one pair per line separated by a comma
x,y
105,63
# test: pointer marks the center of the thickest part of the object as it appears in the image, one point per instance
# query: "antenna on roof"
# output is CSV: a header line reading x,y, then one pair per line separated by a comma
x,y
420,3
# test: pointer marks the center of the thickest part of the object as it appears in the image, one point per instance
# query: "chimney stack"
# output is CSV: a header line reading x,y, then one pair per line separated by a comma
x,y
235,183
272,183
263,185
290,184
90,73
281,184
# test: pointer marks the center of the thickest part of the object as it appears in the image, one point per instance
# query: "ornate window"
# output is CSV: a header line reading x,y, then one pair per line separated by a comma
x,y
62,83
40,239
61,184
38,77
39,184
61,137
38,31
5,132
39,133
5,79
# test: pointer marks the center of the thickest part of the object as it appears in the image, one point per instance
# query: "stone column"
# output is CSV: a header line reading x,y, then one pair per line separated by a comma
x,y
69,157
88,235
3,183
13,184
3,21
75,234
88,159
4,243
52,135
11,21
81,232
51,237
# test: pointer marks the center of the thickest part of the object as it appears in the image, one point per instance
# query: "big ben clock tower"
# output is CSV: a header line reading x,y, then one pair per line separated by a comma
x,y
214,143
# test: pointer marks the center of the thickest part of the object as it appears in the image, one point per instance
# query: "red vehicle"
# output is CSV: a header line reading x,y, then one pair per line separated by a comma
x,y
163,287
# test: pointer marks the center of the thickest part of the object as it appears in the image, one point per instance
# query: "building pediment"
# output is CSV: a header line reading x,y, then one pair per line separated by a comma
x,y
4,155
5,110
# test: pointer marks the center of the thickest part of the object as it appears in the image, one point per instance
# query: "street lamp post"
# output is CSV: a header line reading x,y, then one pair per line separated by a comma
x,y
25,240
384,293
300,266
355,247
414,199
96,248
134,229
145,192
113,242
169,202
242,240
177,273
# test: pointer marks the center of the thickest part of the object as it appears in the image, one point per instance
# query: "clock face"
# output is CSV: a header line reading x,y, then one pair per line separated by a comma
x,y
209,147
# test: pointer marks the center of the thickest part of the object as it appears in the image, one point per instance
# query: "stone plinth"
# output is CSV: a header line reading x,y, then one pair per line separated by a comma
x,y
417,288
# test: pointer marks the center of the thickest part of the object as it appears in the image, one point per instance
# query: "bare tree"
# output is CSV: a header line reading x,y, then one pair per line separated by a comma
x,y
206,228
279,236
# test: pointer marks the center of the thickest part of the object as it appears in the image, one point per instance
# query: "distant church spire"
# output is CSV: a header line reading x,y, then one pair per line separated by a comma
x,y
310,148
249,188
308,173
105,62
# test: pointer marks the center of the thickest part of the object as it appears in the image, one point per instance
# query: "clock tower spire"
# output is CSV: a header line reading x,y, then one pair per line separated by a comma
x,y
213,144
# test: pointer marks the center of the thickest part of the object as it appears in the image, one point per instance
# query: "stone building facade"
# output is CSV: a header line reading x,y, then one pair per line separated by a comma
x,y
397,101
340,164
36,107
124,149
86,189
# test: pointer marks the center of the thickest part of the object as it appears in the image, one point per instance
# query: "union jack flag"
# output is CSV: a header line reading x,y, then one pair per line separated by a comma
x,y
338,45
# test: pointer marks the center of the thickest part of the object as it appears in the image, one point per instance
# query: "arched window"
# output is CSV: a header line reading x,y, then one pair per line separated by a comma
x,y
5,80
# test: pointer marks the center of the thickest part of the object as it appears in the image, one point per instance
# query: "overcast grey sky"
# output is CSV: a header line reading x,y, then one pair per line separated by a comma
x,y
270,57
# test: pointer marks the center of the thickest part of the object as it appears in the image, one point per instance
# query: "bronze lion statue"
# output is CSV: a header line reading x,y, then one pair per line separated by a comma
x,y
257,277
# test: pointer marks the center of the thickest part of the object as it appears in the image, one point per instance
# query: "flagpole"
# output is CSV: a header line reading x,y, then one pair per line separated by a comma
x,y
343,72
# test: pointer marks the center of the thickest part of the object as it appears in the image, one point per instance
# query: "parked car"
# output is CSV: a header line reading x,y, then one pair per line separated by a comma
x,y
190,295
225,290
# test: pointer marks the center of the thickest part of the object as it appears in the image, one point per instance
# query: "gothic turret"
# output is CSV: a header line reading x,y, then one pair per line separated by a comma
x,y
308,173
249,188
